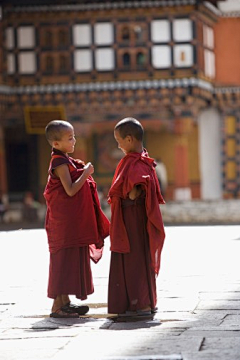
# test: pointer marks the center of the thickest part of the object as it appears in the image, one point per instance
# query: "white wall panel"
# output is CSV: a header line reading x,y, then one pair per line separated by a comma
x,y
27,62
83,60
82,35
161,56
103,34
160,31
26,37
104,59
182,30
183,55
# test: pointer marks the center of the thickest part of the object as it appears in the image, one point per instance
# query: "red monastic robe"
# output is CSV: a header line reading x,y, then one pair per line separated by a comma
x,y
137,169
75,221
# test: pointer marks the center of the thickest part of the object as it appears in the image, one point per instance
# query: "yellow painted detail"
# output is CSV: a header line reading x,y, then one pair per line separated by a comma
x,y
230,125
231,147
231,170
37,117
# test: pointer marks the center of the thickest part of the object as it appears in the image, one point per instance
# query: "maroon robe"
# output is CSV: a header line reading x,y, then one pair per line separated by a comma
x,y
136,235
76,228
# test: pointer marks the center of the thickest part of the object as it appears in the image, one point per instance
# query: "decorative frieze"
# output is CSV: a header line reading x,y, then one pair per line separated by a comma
x,y
104,6
109,86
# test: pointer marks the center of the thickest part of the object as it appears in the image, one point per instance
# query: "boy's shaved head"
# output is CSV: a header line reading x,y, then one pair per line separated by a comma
x,y
130,126
55,129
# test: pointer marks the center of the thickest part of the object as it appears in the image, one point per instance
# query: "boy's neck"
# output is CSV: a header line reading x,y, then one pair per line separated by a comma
x,y
58,150
138,148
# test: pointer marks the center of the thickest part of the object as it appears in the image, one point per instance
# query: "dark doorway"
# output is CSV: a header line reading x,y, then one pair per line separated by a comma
x,y
22,163
18,167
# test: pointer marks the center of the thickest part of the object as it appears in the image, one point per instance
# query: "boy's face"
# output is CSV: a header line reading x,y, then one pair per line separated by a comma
x,y
126,144
67,142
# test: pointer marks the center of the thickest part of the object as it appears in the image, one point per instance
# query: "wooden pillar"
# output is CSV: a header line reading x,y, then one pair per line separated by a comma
x,y
182,182
181,163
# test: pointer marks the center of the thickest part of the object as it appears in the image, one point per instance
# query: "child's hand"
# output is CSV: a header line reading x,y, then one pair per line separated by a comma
x,y
79,161
88,168
135,192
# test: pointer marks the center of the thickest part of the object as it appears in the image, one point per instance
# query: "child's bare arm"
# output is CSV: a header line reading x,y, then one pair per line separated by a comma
x,y
71,188
135,192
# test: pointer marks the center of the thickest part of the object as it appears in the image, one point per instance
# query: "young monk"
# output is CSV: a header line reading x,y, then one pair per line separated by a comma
x,y
75,224
136,230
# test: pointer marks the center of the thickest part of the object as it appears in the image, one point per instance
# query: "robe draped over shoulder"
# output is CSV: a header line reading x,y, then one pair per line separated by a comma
x,y
73,221
137,169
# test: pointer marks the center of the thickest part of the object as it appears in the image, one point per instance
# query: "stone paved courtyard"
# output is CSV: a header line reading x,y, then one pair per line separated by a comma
x,y
198,301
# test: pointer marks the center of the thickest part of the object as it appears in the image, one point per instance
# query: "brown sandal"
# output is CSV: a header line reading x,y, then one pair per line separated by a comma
x,y
63,315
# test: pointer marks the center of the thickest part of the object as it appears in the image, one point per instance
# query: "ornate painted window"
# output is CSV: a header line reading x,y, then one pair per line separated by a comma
x,y
126,60
49,64
63,38
141,59
48,39
63,64
125,33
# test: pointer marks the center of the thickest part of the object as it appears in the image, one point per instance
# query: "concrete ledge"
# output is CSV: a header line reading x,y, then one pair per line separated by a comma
x,y
195,212
202,212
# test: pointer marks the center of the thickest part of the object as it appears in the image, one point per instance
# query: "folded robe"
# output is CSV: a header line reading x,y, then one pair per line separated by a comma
x,y
137,169
73,221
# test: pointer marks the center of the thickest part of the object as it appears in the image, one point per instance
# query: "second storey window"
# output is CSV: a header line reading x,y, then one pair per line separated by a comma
x,y
63,63
27,62
172,43
83,60
209,55
26,50
93,47
25,37
126,60
49,66
125,34
48,39
63,38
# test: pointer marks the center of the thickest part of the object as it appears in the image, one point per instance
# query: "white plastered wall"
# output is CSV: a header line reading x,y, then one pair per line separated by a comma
x,y
209,123
229,5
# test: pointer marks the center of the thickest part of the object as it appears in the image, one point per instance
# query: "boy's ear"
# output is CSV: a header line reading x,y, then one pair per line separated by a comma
x,y
55,144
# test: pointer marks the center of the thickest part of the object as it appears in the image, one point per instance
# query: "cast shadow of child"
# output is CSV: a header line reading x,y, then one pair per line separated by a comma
x,y
48,323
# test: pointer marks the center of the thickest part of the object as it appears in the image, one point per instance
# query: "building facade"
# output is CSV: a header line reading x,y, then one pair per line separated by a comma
x,y
174,65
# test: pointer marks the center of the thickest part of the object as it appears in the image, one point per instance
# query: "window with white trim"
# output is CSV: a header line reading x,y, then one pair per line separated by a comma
x,y
26,37
27,62
93,47
11,67
9,34
172,43
82,35
209,55
161,56
83,60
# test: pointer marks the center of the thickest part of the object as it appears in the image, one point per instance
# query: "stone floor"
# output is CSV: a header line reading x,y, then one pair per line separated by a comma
x,y
198,301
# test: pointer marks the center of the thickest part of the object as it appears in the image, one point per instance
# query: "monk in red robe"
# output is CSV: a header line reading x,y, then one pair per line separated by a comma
x,y
75,224
136,230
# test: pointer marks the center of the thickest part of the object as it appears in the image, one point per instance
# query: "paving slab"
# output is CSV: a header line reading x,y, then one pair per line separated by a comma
x,y
122,342
227,304
145,357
